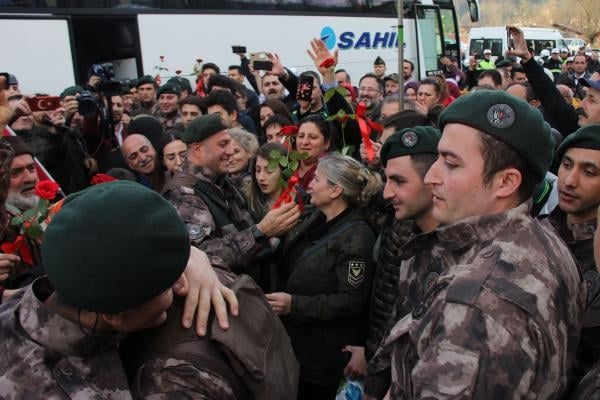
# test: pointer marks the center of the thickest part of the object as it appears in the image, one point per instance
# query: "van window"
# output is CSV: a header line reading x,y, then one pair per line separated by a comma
x,y
478,45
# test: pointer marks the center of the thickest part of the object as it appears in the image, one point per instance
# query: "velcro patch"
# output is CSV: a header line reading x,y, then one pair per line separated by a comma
x,y
356,273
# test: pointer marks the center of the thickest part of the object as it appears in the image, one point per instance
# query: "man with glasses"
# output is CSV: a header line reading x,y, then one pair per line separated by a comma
x,y
370,92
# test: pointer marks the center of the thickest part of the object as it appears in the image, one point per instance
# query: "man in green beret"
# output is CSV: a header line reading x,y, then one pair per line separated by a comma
x,y
575,221
168,107
146,92
211,206
398,285
503,319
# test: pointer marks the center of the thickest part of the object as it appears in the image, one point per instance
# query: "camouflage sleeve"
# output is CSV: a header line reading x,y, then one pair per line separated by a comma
x,y
354,271
170,379
471,354
232,249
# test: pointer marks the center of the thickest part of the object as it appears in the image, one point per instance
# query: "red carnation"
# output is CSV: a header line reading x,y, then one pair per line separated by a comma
x,y
289,130
162,58
102,178
46,190
329,62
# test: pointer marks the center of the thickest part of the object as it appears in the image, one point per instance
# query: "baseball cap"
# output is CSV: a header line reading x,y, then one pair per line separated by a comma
x,y
487,51
590,83
555,51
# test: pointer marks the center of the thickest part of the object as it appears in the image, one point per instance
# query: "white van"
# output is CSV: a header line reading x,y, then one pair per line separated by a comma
x,y
495,39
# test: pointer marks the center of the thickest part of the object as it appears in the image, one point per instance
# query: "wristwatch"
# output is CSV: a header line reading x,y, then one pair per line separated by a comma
x,y
258,235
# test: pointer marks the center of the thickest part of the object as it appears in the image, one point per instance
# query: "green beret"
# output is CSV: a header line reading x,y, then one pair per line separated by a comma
x,y
114,246
183,83
202,128
144,80
587,137
508,119
169,88
71,91
417,140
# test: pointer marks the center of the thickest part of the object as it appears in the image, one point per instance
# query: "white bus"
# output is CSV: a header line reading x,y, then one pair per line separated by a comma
x,y
57,41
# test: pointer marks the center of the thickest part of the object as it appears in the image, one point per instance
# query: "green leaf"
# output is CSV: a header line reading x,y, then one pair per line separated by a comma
x,y
18,220
341,113
283,162
294,165
331,118
302,156
287,173
274,154
272,165
329,94
281,182
343,91
34,231
12,209
29,213
42,206
345,150
351,149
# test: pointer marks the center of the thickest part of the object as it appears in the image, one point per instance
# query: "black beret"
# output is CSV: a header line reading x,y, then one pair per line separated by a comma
x,y
202,128
144,80
71,91
114,246
18,145
587,137
148,126
379,61
508,119
169,88
417,140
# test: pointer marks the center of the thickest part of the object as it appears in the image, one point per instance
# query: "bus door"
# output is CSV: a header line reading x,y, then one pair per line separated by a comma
x,y
102,39
429,39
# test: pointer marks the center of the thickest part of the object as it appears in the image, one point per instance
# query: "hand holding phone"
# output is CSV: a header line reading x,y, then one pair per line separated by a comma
x,y
238,49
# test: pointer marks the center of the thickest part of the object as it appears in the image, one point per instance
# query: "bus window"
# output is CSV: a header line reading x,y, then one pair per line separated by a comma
x,y
428,27
451,45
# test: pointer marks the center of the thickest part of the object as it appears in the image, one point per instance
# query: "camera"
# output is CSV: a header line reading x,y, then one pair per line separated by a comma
x,y
105,71
88,103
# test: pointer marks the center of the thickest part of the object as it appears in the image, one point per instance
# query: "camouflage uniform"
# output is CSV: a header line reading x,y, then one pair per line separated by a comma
x,y
230,246
421,264
580,239
502,321
45,356
169,122
145,109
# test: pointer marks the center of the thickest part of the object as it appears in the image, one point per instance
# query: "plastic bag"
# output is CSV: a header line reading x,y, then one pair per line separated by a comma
x,y
350,389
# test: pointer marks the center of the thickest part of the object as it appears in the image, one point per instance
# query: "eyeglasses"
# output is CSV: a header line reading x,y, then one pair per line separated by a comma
x,y
369,89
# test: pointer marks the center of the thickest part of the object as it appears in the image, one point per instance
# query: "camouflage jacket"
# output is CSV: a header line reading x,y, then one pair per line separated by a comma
x,y
169,122
580,239
145,109
45,356
502,321
421,263
230,245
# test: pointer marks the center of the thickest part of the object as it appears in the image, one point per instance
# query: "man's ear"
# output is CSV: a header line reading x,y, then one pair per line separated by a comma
x,y
507,182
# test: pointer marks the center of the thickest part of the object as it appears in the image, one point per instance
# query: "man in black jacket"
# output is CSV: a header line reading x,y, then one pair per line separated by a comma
x,y
566,119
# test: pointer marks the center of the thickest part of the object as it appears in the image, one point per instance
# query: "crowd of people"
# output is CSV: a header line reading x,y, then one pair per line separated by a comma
x,y
442,246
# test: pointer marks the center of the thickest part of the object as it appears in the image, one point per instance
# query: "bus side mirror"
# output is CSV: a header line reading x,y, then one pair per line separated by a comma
x,y
474,10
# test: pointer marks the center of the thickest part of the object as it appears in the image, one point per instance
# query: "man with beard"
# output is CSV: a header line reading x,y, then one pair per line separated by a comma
x,y
211,206
23,178
370,91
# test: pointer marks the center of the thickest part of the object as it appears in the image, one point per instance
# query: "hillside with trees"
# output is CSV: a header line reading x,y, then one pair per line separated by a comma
x,y
579,18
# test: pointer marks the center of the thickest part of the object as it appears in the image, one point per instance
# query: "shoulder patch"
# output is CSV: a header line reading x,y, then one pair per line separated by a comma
x,y
356,273
196,231
430,281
